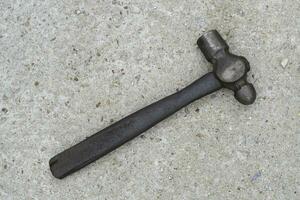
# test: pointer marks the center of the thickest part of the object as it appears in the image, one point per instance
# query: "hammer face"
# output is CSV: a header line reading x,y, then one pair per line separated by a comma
x,y
210,44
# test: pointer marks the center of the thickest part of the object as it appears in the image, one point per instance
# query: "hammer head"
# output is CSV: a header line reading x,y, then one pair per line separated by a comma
x,y
230,69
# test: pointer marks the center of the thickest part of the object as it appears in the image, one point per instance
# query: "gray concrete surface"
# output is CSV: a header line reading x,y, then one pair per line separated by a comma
x,y
70,68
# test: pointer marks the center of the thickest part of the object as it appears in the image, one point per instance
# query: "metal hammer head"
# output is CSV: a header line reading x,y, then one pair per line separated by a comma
x,y
230,69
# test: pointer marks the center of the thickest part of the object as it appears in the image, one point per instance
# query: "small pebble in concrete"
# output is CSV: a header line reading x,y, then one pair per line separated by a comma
x,y
77,12
137,78
187,111
256,176
98,104
5,110
213,96
284,62
143,136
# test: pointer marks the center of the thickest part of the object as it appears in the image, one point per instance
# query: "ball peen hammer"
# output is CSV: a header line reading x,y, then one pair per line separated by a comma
x,y
229,71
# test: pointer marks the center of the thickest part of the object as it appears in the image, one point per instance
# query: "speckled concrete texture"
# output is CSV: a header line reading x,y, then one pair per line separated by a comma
x,y
70,68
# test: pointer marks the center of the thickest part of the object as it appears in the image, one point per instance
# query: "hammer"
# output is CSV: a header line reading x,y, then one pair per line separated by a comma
x,y
229,71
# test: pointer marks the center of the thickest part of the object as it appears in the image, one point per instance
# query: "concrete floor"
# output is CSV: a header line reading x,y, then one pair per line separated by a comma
x,y
70,68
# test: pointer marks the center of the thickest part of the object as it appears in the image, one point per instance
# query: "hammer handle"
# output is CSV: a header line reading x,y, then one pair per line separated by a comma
x,y
131,126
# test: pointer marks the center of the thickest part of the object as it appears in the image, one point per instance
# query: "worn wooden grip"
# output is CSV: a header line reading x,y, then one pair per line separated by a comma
x,y
115,135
